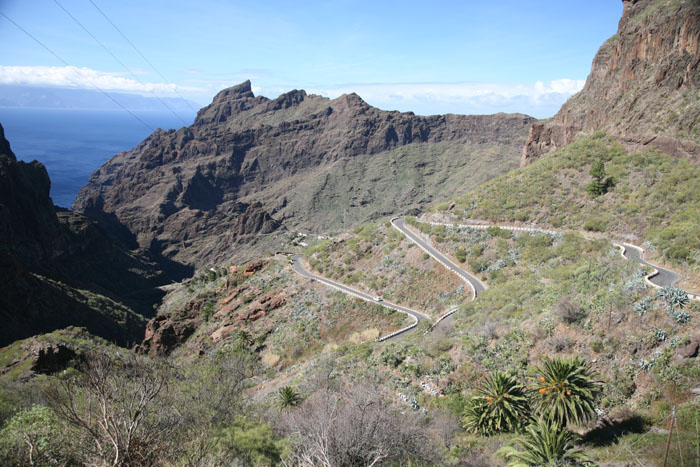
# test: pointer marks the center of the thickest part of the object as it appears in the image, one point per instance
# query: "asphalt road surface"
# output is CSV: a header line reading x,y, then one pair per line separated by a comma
x,y
663,278
400,224
300,269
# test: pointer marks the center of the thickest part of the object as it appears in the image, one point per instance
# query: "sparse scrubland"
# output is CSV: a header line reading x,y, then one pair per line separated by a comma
x,y
655,200
378,259
567,355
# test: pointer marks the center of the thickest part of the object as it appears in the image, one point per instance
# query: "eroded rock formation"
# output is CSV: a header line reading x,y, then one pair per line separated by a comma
x,y
252,166
643,87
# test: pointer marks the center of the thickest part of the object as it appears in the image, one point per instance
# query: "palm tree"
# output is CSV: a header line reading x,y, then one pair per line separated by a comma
x,y
566,390
243,339
544,444
288,398
499,406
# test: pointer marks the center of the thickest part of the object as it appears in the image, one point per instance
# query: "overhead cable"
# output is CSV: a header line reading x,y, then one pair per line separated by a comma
x,y
118,60
76,70
140,53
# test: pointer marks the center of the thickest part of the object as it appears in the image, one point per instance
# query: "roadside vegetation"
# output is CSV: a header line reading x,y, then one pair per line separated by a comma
x,y
569,356
377,259
654,198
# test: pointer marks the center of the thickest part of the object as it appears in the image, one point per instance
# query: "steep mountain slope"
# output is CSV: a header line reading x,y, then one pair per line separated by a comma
x,y
655,200
296,162
59,269
644,85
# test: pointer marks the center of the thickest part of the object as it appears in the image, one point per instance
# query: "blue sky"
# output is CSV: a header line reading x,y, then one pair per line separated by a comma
x,y
429,57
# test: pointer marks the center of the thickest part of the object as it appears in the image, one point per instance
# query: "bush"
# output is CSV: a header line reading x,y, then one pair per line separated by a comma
x,y
544,443
32,437
595,225
568,311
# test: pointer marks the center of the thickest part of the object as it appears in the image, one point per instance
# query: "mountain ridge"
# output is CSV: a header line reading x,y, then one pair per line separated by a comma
x,y
303,158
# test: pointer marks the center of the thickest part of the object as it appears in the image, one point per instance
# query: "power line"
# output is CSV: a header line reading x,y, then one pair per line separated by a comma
x,y
139,52
75,70
118,61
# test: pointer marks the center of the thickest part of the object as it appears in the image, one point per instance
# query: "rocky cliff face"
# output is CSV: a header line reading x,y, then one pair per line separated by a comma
x,y
250,165
59,269
644,85
24,188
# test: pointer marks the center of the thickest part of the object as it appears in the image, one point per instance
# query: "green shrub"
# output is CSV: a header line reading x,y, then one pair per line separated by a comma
x,y
595,224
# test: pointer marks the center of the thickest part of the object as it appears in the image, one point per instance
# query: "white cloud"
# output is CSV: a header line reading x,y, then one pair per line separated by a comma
x,y
539,99
85,78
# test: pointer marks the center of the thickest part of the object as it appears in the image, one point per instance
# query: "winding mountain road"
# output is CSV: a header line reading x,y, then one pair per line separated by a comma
x,y
417,316
660,278
476,285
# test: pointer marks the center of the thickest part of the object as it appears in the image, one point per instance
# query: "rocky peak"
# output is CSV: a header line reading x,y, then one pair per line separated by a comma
x,y
643,85
286,100
230,101
351,102
626,9
242,90
251,167
5,149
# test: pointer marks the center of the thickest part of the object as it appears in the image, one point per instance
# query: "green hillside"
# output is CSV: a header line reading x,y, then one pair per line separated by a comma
x,y
655,198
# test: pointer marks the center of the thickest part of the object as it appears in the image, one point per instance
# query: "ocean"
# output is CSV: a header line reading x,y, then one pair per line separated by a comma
x,y
72,144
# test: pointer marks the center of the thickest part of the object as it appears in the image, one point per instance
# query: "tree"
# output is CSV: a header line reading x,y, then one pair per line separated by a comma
x,y
544,444
252,442
565,390
599,185
117,407
288,397
499,406
243,338
207,395
353,425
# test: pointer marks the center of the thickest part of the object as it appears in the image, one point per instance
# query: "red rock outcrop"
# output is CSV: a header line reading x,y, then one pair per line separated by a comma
x,y
254,267
165,332
256,310
643,86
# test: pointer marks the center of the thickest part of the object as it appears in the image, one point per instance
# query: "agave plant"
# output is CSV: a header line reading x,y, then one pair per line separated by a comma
x,y
544,444
565,390
500,405
674,297
288,397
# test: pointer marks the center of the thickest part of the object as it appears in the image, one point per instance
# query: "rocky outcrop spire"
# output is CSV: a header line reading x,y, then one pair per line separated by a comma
x,y
5,149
